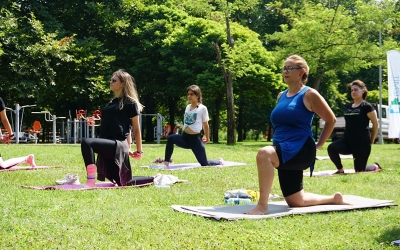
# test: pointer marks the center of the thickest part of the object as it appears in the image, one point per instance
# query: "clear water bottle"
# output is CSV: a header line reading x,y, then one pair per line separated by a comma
x,y
237,201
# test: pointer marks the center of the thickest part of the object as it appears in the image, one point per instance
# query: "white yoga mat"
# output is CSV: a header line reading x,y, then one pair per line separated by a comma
x,y
327,157
279,209
332,172
184,166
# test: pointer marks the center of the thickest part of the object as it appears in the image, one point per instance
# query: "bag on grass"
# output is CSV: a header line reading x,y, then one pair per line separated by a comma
x,y
140,180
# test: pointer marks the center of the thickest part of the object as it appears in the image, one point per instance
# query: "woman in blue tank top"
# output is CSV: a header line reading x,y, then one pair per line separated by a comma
x,y
294,148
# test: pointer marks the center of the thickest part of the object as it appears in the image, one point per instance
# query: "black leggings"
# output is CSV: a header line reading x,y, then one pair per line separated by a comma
x,y
290,173
105,147
192,142
360,153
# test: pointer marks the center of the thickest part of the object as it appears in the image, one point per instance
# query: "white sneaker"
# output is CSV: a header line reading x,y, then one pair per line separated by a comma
x,y
69,179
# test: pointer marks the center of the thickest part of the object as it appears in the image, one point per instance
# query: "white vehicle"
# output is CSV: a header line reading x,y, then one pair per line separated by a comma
x,y
338,129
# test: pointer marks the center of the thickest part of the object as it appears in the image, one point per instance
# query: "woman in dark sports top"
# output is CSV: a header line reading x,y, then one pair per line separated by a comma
x,y
357,138
119,117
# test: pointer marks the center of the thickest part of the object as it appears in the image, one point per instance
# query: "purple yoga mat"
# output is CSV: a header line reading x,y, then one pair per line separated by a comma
x,y
100,185
14,168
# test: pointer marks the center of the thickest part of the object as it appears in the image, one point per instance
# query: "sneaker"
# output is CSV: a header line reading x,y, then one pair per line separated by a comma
x,y
378,166
69,179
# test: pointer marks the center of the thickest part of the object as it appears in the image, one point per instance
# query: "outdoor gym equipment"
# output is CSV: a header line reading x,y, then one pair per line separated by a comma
x,y
51,118
19,135
158,130
82,123
91,120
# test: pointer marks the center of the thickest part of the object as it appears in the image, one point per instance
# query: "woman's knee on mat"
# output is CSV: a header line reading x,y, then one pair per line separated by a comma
x,y
295,200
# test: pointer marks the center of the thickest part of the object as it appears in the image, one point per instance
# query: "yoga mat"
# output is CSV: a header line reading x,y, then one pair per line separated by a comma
x,y
14,168
327,157
184,166
396,242
100,185
279,209
332,172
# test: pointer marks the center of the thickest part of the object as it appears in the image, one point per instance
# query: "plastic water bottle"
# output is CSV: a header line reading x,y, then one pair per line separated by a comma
x,y
237,201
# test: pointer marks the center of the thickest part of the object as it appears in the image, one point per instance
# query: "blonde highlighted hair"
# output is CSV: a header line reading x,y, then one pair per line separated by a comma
x,y
301,63
129,91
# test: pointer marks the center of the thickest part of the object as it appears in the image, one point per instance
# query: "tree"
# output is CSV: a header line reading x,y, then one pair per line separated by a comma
x,y
332,40
46,66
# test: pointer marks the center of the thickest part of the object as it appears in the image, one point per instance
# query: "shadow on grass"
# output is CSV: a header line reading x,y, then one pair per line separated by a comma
x,y
389,235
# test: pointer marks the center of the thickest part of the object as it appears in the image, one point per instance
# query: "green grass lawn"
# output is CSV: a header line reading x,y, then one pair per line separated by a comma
x,y
141,218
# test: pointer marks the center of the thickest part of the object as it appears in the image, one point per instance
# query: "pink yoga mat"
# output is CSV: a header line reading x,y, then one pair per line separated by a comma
x,y
100,185
27,168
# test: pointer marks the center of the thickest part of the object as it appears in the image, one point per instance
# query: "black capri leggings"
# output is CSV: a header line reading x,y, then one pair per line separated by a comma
x,y
105,147
359,151
290,173
192,142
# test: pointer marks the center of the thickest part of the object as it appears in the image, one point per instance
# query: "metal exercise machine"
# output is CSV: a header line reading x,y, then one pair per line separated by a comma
x,y
51,118
19,135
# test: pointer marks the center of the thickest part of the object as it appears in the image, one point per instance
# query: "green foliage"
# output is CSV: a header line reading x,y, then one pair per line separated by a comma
x,y
59,55
373,96
326,38
47,69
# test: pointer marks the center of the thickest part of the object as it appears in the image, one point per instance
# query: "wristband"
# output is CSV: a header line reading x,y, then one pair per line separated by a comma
x,y
139,152
11,136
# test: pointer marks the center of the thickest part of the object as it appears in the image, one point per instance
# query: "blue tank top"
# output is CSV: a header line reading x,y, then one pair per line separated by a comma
x,y
291,121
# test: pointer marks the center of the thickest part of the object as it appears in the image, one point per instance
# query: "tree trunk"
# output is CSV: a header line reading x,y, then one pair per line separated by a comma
x,y
171,111
229,97
318,78
216,121
240,130
231,137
